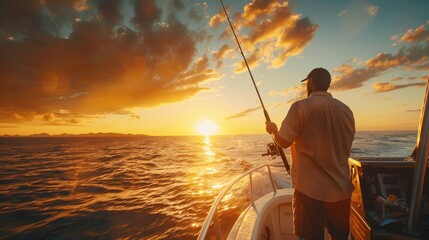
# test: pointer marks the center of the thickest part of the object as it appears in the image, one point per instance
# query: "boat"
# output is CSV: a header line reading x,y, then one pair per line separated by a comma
x,y
390,199
265,217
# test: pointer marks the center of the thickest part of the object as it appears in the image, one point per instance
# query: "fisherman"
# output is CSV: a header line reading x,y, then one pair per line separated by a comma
x,y
320,131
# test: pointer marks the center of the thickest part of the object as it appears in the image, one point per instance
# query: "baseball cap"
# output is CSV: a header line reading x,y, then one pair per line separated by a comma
x,y
319,75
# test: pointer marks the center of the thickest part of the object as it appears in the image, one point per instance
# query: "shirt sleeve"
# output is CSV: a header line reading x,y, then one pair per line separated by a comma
x,y
291,126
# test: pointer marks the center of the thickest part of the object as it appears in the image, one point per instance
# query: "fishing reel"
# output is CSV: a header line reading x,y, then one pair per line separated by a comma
x,y
272,150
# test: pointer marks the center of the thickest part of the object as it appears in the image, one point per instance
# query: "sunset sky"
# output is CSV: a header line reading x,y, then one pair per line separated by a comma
x,y
165,67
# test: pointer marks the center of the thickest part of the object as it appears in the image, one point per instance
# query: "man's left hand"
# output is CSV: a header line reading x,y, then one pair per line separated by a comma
x,y
271,127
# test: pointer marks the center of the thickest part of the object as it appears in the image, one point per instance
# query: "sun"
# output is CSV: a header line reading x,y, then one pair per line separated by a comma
x,y
207,128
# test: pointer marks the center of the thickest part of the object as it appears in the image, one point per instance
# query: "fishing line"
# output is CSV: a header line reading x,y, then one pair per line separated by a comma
x,y
267,117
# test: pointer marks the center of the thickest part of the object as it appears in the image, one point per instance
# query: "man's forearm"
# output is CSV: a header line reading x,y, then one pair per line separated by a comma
x,y
280,141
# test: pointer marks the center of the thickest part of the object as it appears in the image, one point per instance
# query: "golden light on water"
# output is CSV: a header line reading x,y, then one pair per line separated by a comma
x,y
207,128
217,186
211,170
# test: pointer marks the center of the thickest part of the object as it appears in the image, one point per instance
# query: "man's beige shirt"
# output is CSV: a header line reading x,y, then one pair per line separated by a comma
x,y
321,129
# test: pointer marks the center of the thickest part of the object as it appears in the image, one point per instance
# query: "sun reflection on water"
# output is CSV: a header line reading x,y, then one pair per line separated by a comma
x,y
207,148
209,179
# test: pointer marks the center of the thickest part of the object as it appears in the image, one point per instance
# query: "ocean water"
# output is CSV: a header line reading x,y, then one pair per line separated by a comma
x,y
133,187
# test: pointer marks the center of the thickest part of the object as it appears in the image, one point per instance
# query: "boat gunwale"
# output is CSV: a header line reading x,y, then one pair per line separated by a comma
x,y
213,209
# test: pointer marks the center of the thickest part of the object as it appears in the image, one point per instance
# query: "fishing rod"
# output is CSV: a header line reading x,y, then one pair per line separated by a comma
x,y
267,117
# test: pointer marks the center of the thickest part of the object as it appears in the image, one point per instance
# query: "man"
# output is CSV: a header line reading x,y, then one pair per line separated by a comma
x,y
320,130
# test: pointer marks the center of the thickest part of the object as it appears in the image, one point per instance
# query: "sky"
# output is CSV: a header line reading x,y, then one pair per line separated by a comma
x,y
168,67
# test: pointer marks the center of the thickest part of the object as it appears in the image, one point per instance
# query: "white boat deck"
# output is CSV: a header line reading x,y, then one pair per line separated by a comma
x,y
270,217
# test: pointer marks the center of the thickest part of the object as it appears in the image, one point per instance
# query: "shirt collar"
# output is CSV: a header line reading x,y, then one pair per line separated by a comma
x,y
320,93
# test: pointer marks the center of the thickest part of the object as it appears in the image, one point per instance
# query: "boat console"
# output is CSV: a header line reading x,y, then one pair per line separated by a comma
x,y
381,199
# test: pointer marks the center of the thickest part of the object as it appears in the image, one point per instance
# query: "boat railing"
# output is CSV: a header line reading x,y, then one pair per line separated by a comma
x,y
213,215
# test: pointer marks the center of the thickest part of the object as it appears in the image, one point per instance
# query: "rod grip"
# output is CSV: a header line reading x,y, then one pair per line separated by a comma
x,y
280,149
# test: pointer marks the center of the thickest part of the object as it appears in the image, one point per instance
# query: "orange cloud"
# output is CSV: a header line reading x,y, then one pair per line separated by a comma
x,y
219,55
387,87
103,63
302,93
273,33
295,40
347,76
414,56
416,35
49,117
218,18
252,61
286,91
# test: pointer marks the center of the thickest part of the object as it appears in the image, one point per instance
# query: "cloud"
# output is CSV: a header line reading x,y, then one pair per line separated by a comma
x,y
301,94
178,4
58,118
347,77
49,117
107,61
242,113
343,12
382,87
134,116
4,126
356,17
416,35
413,57
414,110
220,55
74,121
269,32
371,9
218,18
286,91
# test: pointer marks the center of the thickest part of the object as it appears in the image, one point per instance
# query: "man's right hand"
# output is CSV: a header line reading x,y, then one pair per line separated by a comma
x,y
271,127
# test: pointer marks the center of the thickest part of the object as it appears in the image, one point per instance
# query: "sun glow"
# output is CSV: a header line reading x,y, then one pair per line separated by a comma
x,y
207,128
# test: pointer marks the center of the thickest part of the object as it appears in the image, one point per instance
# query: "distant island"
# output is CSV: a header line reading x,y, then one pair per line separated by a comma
x,y
99,134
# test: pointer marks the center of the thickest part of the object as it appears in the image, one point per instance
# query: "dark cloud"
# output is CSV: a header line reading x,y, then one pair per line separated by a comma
x,y
178,5
71,59
195,15
110,11
49,117
414,110
134,116
147,14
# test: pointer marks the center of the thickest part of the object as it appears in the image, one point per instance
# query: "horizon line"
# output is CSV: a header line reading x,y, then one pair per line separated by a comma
x,y
118,134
